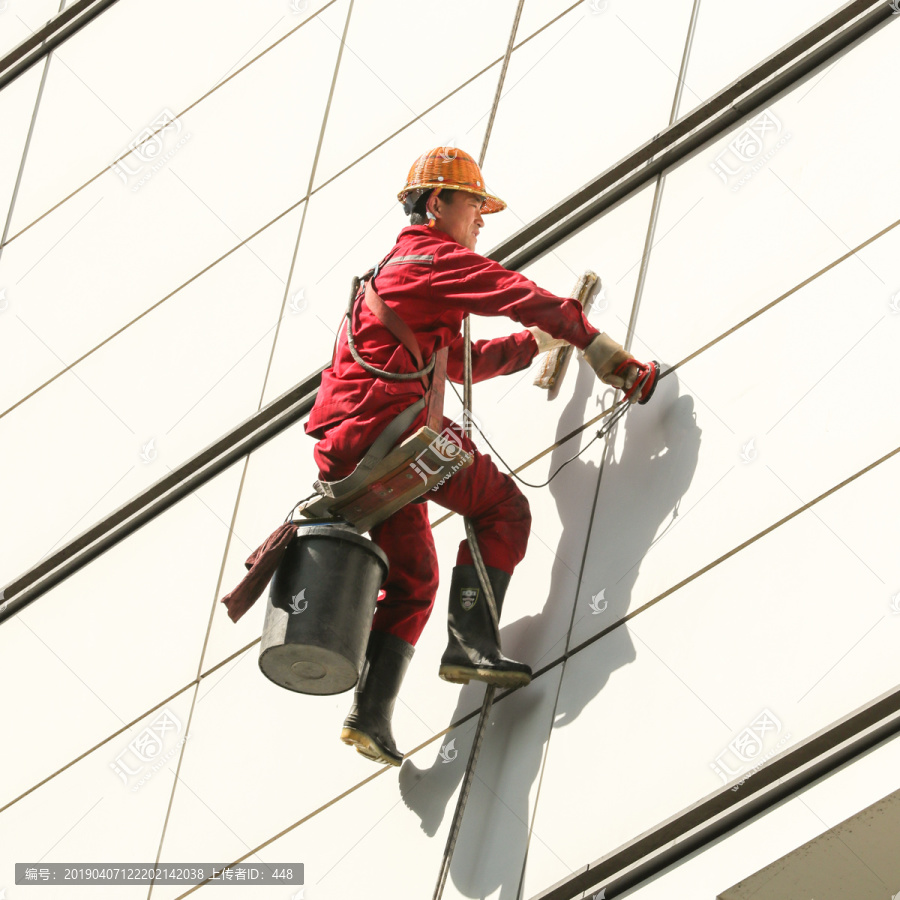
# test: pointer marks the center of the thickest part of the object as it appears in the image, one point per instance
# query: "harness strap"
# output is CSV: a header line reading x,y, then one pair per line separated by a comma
x,y
395,325
389,319
434,387
383,444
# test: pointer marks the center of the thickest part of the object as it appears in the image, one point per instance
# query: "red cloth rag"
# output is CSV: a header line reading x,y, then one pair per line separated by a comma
x,y
262,563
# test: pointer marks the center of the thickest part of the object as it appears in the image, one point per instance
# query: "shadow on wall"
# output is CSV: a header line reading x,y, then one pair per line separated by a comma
x,y
639,492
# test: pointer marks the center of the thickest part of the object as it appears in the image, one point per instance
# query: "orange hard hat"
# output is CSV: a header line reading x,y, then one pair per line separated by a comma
x,y
448,167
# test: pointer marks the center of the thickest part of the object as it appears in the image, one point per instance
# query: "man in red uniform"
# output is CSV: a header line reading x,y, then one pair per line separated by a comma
x,y
432,278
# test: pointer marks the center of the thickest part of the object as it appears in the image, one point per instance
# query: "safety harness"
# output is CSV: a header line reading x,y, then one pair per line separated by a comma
x,y
391,321
390,476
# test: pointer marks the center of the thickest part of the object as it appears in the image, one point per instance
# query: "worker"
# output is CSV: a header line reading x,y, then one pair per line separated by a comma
x,y
432,278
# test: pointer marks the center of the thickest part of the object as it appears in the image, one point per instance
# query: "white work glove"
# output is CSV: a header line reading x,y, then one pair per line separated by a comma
x,y
545,341
604,356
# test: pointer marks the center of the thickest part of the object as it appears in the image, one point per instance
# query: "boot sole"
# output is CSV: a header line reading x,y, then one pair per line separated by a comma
x,y
367,747
463,675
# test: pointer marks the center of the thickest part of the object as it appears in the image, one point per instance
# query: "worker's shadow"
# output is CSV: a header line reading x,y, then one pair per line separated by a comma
x,y
639,492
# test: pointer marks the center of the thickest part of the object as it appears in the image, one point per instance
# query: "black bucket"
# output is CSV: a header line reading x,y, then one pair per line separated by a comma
x,y
320,610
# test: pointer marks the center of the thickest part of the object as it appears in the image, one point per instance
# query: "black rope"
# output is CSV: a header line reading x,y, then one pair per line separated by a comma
x,y
603,431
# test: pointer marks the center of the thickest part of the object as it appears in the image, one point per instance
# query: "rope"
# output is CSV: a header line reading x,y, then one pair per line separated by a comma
x,y
618,411
486,706
615,413
488,701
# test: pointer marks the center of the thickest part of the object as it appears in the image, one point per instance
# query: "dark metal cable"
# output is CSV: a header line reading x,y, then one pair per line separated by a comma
x,y
617,412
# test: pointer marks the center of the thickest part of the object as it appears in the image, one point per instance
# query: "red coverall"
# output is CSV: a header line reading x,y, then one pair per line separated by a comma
x,y
352,407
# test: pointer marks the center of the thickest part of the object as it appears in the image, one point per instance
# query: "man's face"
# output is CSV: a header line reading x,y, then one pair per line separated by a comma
x,y
459,216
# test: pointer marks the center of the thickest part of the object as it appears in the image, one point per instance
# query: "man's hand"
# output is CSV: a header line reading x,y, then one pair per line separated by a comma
x,y
604,356
617,368
545,341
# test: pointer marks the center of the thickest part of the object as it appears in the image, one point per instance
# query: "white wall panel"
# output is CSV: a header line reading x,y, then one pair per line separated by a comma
x,y
387,835
16,107
490,852
766,420
538,605
113,79
781,830
108,808
727,43
280,473
101,260
521,419
114,639
19,18
580,96
623,734
644,484
249,798
251,780
726,245
351,224
666,693
180,377
537,13
391,72
243,154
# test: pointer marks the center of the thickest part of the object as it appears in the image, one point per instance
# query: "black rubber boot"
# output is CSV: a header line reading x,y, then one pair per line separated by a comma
x,y
368,726
472,652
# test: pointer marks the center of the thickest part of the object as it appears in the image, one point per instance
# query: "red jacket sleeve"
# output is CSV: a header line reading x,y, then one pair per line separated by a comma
x,y
475,284
500,356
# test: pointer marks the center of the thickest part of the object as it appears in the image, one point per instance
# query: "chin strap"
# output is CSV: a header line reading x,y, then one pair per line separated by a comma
x,y
645,383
